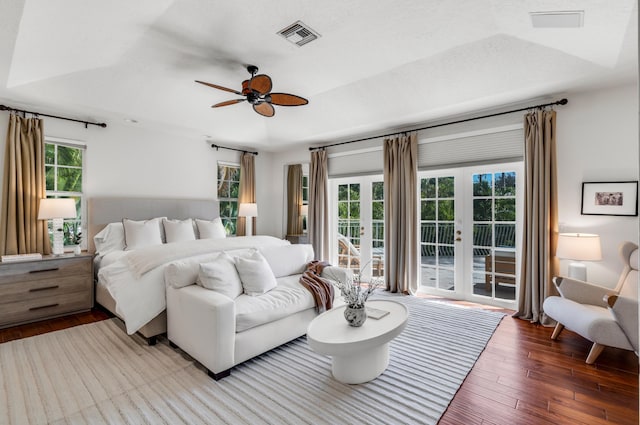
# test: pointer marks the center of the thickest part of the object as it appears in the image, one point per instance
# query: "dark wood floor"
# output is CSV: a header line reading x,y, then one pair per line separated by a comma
x,y
37,328
521,378
525,378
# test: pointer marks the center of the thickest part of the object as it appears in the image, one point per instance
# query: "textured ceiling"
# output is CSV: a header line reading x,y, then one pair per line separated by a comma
x,y
377,65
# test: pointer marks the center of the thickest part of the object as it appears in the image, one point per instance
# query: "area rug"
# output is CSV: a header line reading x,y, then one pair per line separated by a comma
x,y
97,374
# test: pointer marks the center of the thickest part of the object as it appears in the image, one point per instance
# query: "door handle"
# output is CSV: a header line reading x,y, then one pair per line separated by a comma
x,y
458,239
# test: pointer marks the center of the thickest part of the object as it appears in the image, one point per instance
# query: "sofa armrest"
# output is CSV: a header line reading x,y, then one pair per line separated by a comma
x,y
337,274
203,324
582,292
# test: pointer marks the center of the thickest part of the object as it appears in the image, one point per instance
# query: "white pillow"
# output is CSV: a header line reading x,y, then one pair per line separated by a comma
x,y
138,234
221,276
255,274
181,273
213,229
286,260
178,230
111,238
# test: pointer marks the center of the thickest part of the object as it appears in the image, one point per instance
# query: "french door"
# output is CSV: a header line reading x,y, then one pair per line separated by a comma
x,y
357,215
469,227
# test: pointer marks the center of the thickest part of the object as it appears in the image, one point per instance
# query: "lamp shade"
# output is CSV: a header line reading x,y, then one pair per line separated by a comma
x,y
304,210
579,246
56,208
248,210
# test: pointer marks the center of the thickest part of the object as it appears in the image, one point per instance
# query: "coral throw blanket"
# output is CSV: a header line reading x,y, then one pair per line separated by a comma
x,y
320,288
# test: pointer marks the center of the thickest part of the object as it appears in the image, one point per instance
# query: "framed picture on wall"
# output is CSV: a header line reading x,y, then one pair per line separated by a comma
x,y
610,198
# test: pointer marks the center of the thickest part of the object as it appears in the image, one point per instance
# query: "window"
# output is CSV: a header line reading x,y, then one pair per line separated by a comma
x,y
228,189
64,171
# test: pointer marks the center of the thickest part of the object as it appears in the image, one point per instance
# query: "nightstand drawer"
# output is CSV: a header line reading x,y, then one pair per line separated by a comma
x,y
39,270
30,310
43,288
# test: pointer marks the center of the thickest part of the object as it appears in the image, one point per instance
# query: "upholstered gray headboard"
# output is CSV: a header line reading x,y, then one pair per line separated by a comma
x,y
104,210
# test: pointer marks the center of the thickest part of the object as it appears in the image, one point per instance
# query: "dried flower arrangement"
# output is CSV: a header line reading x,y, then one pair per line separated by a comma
x,y
354,293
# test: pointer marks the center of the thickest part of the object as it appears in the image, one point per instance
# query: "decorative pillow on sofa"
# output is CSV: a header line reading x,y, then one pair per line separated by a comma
x,y
220,275
181,273
255,274
178,230
286,260
213,229
138,234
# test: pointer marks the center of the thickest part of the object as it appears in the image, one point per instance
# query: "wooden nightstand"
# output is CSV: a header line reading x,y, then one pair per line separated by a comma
x,y
42,289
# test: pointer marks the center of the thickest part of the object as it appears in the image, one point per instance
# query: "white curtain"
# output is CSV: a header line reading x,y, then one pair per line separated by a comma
x,y
401,213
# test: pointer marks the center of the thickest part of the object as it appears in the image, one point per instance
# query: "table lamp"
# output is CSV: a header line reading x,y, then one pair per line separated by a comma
x,y
57,209
578,247
248,210
304,210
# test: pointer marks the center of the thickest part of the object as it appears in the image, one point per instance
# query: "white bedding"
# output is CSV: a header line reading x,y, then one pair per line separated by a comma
x,y
135,279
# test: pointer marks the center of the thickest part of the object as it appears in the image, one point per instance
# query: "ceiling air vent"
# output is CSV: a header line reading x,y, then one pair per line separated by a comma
x,y
558,19
299,33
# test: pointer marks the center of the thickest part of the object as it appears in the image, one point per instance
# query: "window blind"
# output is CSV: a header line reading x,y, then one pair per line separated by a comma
x,y
505,144
475,147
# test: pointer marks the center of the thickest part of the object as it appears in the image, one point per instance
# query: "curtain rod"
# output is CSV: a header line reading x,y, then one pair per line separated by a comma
x,y
213,145
86,123
558,102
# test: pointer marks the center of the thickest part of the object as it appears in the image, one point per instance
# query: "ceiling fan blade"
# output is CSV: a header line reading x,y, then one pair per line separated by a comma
x,y
219,87
286,99
228,102
265,109
261,83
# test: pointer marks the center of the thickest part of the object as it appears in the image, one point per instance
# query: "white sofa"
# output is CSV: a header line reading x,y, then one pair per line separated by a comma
x,y
220,331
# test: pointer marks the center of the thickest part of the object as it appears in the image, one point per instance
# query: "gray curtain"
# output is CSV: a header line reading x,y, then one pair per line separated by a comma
x,y
319,204
294,199
247,190
401,213
539,263
23,186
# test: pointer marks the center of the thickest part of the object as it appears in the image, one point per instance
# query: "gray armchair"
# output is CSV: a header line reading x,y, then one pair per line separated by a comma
x,y
604,316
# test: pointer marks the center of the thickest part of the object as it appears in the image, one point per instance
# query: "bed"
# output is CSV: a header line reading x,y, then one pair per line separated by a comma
x,y
130,282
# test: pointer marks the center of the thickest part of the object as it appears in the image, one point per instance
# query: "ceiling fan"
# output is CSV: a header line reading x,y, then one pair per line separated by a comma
x,y
257,91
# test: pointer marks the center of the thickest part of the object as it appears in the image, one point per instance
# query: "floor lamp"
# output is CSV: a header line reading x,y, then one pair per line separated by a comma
x,y
578,247
248,210
57,209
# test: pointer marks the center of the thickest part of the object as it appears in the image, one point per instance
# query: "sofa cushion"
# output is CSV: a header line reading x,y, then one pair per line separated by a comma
x,y
220,275
287,298
288,259
255,274
181,273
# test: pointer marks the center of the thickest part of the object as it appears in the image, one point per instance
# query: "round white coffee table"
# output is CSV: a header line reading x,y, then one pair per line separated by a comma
x,y
358,354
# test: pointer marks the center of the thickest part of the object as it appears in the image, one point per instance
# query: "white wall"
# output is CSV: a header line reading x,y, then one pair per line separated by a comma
x,y
597,140
126,160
